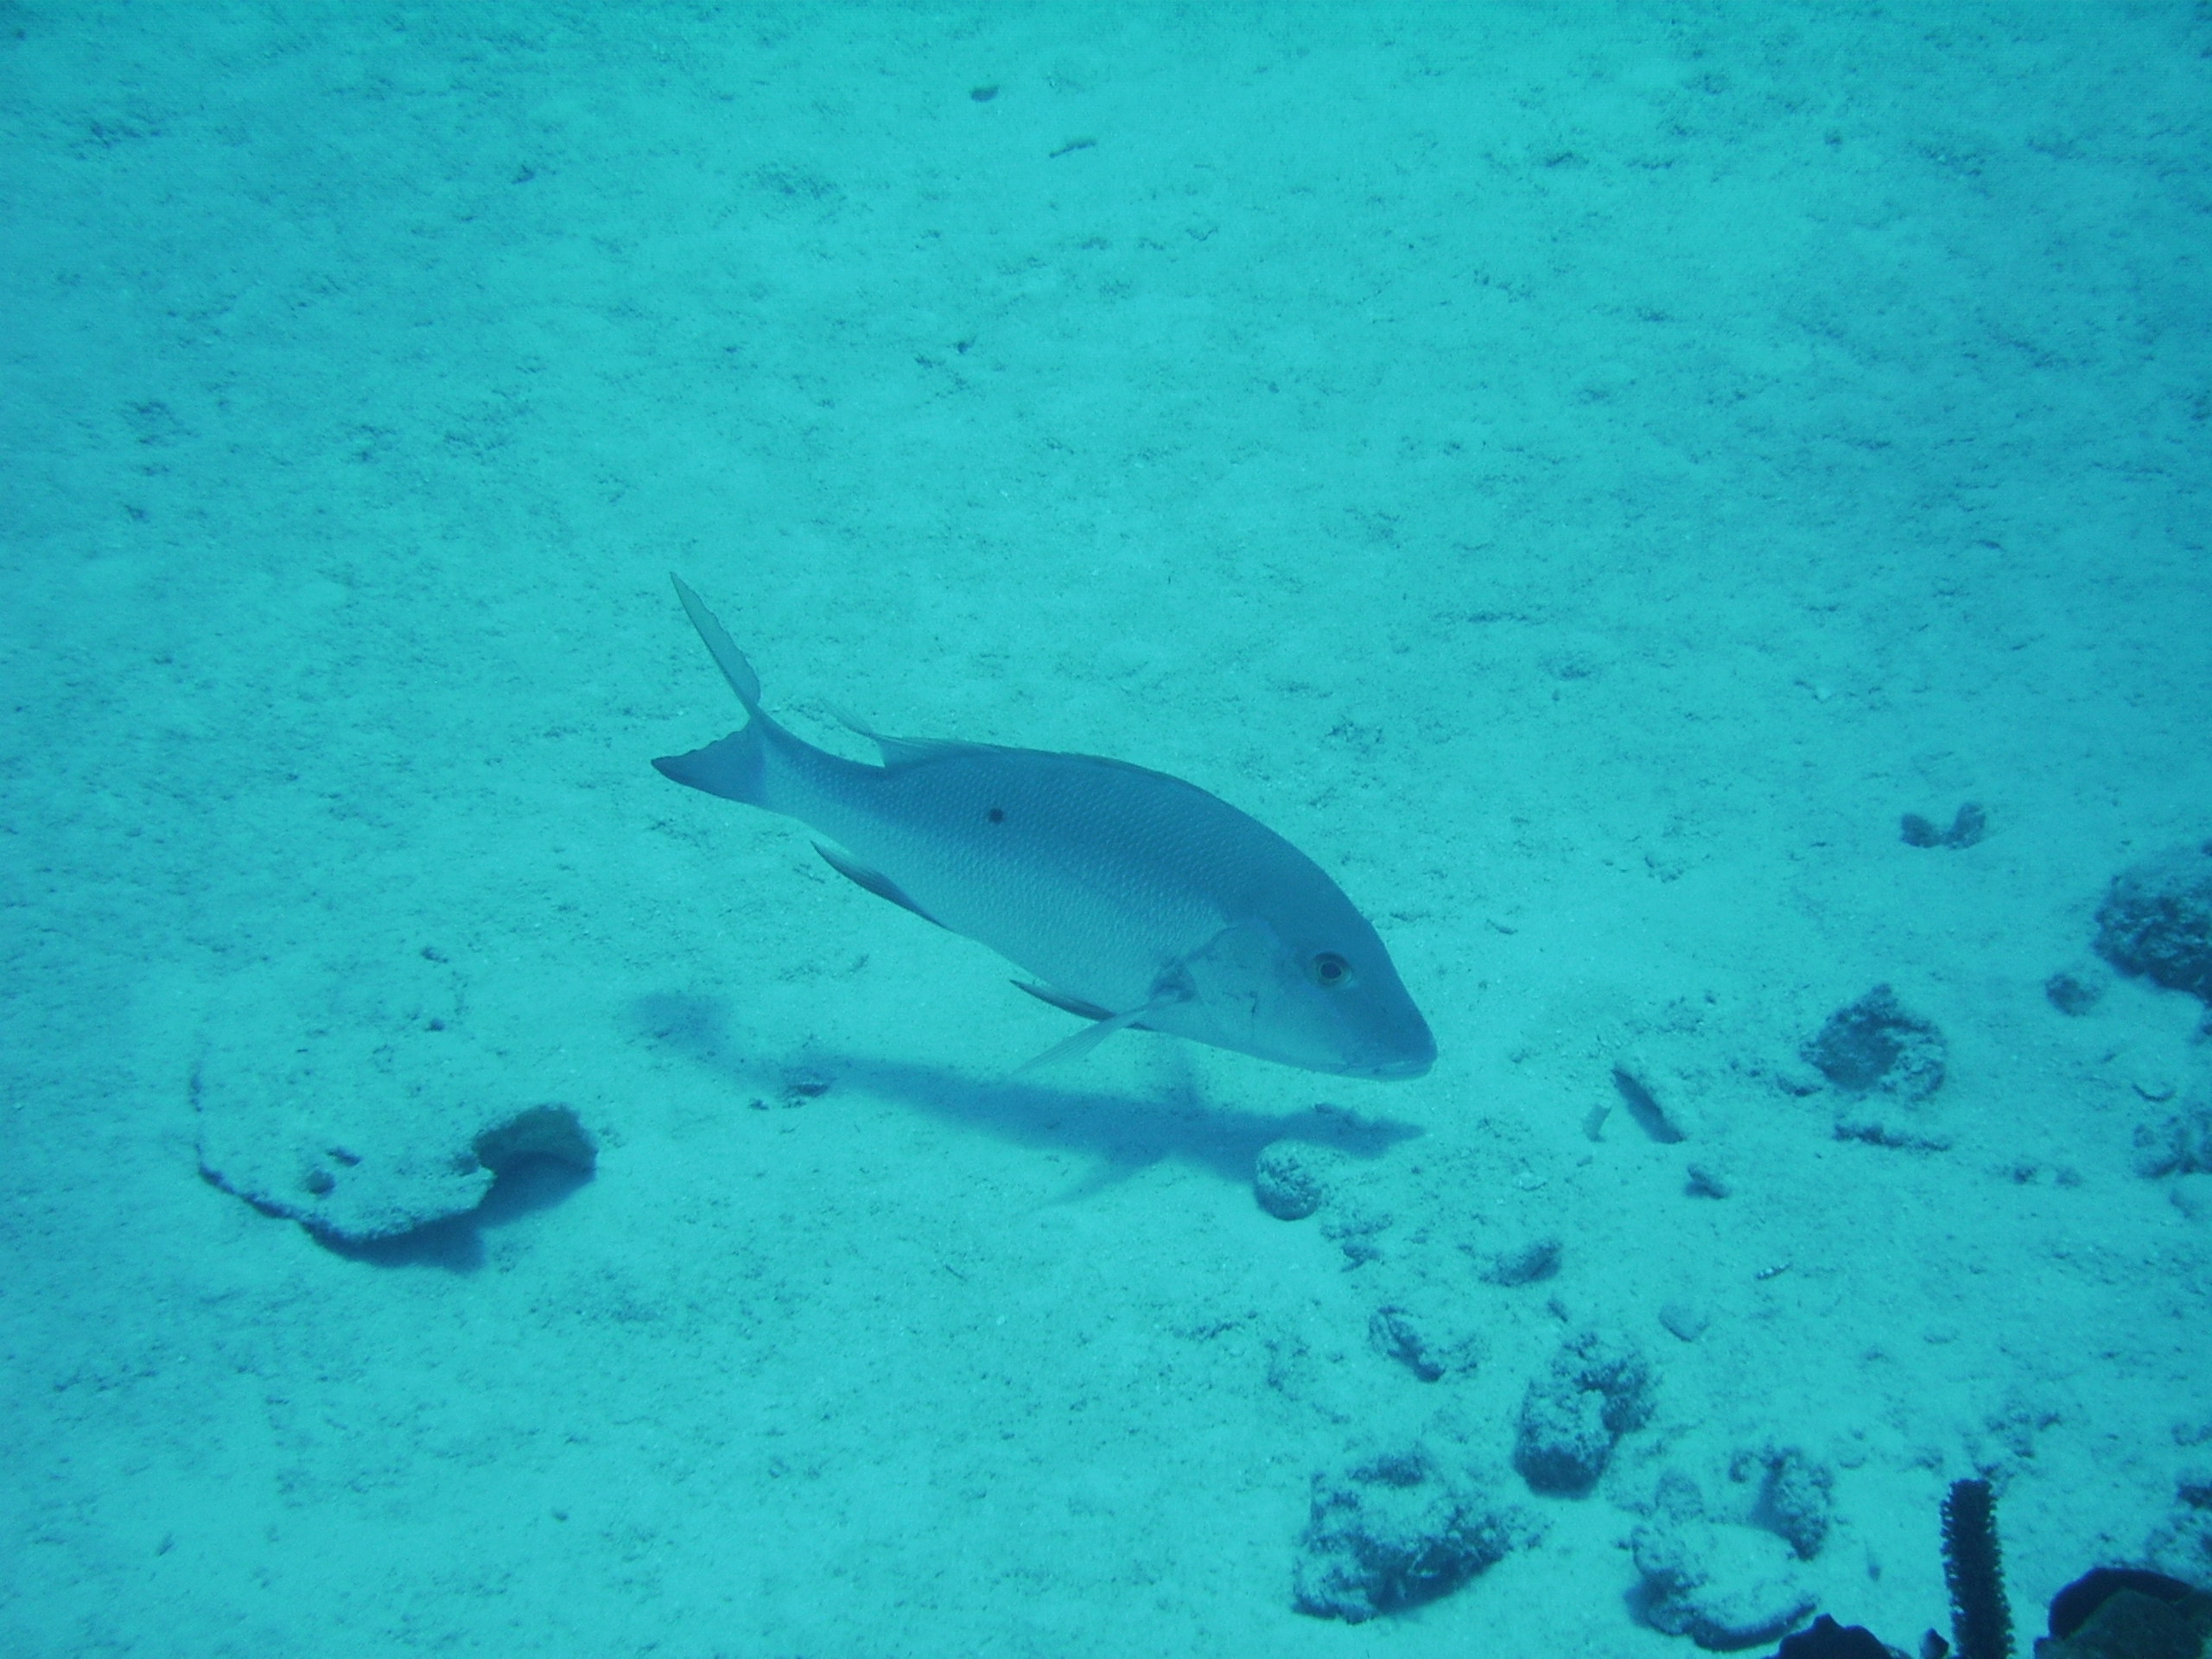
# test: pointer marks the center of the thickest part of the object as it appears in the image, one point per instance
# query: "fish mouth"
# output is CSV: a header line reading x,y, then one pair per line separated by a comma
x,y
1399,1065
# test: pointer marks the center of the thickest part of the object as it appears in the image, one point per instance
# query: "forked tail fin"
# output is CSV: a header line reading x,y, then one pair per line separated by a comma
x,y
739,672
735,768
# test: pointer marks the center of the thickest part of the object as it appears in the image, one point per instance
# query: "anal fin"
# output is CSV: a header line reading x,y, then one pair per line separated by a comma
x,y
874,880
1074,1005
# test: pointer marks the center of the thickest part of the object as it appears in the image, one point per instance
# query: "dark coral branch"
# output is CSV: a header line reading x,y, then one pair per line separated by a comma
x,y
1980,1621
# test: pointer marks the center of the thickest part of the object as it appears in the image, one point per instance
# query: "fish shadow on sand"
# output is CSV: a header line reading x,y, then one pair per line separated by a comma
x,y
1124,1133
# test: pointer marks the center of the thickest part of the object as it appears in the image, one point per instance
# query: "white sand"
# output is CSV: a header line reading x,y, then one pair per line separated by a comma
x,y
1582,473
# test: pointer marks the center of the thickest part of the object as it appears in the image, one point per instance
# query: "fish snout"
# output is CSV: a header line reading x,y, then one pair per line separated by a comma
x,y
1408,1054
1404,1066
1410,1066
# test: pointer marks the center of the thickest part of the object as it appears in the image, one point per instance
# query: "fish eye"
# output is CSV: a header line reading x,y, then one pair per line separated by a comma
x,y
1329,970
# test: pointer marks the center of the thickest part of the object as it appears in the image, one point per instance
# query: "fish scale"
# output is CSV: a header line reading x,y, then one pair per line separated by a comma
x,y
1083,881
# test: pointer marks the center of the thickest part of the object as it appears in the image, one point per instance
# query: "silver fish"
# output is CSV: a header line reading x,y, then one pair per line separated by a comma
x,y
1136,899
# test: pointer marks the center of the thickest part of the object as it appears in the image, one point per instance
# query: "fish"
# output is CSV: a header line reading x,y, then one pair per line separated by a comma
x,y
1136,900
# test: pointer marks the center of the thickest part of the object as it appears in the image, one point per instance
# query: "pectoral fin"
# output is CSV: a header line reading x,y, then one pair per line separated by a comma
x,y
1086,1040
1171,988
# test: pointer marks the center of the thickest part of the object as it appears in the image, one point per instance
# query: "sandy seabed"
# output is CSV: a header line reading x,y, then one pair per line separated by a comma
x,y
1582,472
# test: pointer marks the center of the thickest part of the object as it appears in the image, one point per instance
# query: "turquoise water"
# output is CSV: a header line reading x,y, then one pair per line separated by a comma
x,y
1583,473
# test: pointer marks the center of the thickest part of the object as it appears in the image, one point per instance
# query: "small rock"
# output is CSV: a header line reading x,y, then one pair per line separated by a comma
x,y
369,1095
2128,1612
2179,1145
1524,1264
1684,1319
1702,1180
1395,1530
370,1135
1594,1391
1358,1229
1723,1587
1643,1105
1289,1180
1826,1639
357,1199
1417,1342
805,1083
2132,1625
1876,1045
1878,1122
1795,1497
1799,1082
2157,920
2192,1196
1967,827
2071,993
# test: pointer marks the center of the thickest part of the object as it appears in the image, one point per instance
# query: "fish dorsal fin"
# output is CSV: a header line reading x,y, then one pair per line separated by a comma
x,y
906,751
874,880
853,723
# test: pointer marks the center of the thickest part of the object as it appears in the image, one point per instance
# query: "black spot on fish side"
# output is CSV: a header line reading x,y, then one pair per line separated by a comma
x,y
996,815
